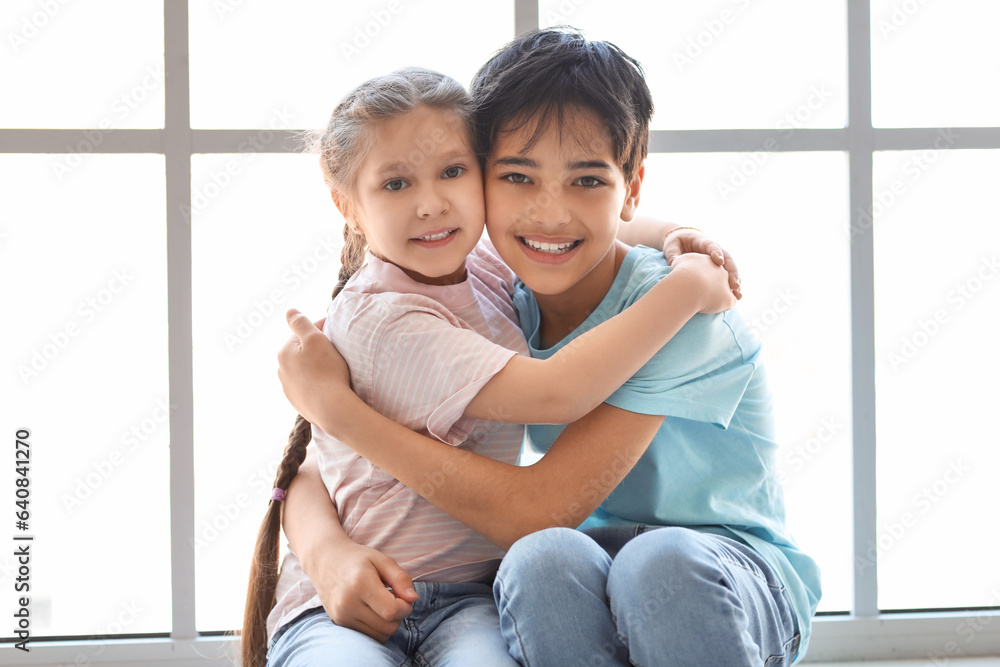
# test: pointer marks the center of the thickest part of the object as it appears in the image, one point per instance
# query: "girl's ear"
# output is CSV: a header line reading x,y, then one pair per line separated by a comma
x,y
341,203
337,201
632,194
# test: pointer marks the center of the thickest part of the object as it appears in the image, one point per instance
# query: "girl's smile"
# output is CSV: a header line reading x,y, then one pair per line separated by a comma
x,y
418,197
436,239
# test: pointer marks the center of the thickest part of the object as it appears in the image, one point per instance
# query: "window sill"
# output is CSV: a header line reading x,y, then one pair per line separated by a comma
x,y
932,638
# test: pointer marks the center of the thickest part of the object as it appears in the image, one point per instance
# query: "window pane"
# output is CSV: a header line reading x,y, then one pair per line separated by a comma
x,y
726,63
934,64
314,53
936,295
266,240
786,229
83,265
63,63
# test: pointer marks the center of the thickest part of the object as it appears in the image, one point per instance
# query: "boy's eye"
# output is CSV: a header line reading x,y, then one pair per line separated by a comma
x,y
396,184
453,172
589,181
517,178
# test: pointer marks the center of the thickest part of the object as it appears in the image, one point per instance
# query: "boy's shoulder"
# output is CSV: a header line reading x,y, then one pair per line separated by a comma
x,y
641,269
726,333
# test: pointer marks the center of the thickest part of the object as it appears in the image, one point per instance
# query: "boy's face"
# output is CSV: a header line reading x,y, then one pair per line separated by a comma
x,y
553,209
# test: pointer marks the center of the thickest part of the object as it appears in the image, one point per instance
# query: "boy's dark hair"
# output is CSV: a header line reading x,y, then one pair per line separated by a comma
x,y
543,73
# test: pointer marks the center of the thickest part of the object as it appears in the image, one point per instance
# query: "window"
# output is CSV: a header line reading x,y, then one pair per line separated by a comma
x,y
156,222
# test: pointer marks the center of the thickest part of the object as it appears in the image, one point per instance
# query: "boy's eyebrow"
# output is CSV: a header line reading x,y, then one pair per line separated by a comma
x,y
589,164
515,161
519,161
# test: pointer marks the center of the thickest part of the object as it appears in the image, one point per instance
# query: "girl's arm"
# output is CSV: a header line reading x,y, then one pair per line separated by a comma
x,y
501,501
351,579
581,375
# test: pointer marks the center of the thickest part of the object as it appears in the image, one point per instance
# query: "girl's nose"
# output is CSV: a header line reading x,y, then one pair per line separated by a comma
x,y
432,203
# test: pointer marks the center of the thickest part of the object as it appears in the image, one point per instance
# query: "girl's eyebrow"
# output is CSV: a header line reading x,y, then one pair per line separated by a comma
x,y
457,153
393,168
406,167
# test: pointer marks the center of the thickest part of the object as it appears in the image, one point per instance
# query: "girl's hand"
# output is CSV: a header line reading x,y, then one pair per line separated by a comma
x,y
354,588
686,240
312,372
711,280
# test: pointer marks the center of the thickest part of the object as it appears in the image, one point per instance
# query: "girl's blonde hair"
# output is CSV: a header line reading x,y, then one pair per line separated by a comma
x,y
342,146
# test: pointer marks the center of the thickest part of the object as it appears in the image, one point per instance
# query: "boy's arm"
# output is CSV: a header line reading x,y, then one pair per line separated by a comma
x,y
676,240
645,230
351,579
582,375
501,501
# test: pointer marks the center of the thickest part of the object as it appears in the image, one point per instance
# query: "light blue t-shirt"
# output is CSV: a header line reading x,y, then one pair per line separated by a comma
x,y
711,466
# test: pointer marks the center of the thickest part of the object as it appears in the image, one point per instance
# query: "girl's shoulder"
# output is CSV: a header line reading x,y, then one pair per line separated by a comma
x,y
489,268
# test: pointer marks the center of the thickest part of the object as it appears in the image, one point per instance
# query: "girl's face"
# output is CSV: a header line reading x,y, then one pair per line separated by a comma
x,y
419,195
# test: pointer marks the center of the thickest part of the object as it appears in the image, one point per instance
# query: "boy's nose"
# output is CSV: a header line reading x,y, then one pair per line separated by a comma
x,y
548,210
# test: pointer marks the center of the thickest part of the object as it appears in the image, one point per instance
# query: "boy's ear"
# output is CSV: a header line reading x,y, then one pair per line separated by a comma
x,y
632,194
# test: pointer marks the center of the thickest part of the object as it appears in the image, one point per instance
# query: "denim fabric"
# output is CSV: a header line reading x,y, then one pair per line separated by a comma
x,y
629,595
452,625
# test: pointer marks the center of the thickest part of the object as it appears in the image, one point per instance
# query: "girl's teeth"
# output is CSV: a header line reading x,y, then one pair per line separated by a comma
x,y
434,237
552,248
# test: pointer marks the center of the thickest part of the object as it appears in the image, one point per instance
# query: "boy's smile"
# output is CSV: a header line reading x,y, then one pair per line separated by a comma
x,y
553,209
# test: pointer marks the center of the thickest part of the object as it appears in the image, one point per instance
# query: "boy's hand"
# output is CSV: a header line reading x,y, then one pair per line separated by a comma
x,y
712,280
354,589
687,240
311,370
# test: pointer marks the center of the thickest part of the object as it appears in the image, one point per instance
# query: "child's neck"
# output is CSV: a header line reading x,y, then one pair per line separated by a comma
x,y
454,278
562,313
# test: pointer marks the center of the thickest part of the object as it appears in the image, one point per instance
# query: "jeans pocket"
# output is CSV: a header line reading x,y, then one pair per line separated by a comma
x,y
788,652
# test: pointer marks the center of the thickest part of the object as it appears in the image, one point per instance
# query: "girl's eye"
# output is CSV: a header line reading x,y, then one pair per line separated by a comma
x,y
396,184
517,178
453,172
588,181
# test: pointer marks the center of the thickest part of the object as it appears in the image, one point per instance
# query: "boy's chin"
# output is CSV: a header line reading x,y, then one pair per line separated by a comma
x,y
547,285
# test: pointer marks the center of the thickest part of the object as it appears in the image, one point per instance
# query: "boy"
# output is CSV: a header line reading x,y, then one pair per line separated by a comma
x,y
688,560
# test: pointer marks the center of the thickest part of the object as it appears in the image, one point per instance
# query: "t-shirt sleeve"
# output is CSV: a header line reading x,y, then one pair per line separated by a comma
x,y
488,261
426,364
701,374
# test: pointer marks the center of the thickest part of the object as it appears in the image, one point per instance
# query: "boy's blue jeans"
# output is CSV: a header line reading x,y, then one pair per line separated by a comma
x,y
628,595
452,625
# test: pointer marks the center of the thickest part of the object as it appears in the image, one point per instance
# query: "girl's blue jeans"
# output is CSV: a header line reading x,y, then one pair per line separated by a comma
x,y
452,625
631,595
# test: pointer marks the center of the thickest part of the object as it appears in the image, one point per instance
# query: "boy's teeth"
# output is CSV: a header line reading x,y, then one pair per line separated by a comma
x,y
553,248
433,237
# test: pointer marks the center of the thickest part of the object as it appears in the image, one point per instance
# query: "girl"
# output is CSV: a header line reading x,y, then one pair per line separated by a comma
x,y
432,341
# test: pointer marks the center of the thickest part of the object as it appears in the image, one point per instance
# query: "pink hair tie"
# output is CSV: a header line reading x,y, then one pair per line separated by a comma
x,y
278,494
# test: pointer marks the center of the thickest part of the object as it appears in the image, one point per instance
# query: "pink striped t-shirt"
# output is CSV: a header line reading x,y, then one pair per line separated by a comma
x,y
418,354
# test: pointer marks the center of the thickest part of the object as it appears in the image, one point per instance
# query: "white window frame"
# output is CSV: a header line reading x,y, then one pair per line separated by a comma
x,y
864,633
